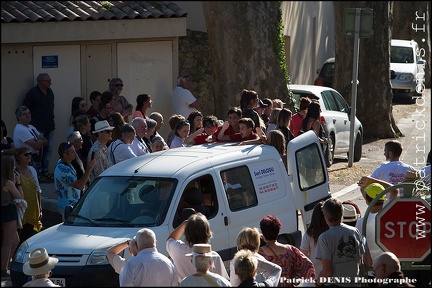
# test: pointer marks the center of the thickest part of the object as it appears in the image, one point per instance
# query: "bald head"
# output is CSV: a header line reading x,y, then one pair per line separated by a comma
x,y
145,238
385,264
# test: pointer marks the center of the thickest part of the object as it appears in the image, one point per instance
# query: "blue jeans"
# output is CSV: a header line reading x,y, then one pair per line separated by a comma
x,y
46,151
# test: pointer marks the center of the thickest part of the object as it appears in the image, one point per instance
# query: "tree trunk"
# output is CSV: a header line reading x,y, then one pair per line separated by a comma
x,y
374,96
410,22
242,37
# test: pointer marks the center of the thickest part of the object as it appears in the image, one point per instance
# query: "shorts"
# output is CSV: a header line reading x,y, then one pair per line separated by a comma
x,y
9,213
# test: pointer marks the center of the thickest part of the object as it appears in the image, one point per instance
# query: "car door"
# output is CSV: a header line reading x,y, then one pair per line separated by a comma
x,y
343,114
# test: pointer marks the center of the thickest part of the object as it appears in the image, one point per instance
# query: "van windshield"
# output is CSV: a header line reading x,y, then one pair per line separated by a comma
x,y
400,54
124,202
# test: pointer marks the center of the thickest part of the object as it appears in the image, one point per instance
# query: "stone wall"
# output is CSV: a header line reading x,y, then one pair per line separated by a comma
x,y
194,60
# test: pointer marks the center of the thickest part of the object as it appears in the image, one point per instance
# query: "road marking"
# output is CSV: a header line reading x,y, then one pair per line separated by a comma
x,y
344,191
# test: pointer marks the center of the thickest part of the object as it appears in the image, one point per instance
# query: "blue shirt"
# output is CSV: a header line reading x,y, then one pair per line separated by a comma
x,y
64,175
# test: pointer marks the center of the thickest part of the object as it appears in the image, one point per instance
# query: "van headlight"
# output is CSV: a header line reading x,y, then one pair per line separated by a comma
x,y
406,76
20,252
98,257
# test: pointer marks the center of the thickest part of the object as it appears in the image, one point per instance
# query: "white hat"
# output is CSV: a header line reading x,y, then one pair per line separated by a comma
x,y
349,213
201,250
39,262
102,126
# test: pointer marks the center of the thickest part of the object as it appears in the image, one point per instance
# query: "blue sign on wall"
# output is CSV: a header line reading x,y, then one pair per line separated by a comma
x,y
50,61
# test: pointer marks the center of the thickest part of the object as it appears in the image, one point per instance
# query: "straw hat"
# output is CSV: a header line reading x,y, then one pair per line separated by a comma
x,y
102,126
349,213
201,250
39,262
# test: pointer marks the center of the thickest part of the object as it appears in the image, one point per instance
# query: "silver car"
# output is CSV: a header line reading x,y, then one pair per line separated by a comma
x,y
335,117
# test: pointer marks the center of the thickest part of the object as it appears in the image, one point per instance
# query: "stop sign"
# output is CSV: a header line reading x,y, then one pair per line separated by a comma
x,y
403,227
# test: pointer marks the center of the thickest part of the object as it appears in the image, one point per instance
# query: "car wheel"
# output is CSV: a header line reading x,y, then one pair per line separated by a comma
x,y
358,147
329,151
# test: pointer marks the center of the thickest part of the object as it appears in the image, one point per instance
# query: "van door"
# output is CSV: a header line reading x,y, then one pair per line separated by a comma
x,y
209,202
255,188
308,173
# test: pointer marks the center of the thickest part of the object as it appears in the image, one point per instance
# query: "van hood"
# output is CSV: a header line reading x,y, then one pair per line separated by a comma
x,y
62,239
403,67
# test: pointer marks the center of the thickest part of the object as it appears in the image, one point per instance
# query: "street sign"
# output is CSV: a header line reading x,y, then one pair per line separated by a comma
x,y
403,227
366,21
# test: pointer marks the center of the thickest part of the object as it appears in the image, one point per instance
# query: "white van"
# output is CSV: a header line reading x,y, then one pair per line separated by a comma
x,y
239,184
406,69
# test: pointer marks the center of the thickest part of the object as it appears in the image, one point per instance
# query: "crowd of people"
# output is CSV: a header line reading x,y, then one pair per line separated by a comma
x,y
104,134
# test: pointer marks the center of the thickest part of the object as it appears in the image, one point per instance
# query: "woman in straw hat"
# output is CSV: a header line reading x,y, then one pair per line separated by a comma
x,y
202,259
39,265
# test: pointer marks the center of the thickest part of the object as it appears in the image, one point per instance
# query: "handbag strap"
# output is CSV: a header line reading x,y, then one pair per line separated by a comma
x,y
207,278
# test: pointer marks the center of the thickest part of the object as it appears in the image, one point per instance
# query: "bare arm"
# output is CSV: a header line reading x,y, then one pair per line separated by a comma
x,y
190,139
116,249
326,271
221,135
14,189
366,180
194,104
178,232
39,143
80,183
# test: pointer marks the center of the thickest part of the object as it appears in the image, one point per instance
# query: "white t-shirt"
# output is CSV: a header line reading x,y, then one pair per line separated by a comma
x,y
23,134
120,151
181,99
374,249
393,172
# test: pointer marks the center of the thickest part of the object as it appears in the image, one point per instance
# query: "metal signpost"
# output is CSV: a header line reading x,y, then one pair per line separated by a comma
x,y
357,23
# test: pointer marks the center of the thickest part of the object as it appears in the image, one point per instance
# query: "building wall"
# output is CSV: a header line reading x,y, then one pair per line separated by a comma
x,y
105,50
308,30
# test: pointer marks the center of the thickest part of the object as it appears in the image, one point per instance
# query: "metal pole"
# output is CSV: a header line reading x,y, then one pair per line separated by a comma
x,y
354,85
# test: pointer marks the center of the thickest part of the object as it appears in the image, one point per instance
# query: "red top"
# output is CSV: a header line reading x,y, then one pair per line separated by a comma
x,y
296,123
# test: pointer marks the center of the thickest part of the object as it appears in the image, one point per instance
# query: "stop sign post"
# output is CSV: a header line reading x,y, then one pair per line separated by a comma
x,y
403,227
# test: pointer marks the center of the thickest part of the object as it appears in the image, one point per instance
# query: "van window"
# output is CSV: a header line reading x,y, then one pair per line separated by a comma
x,y
310,169
400,54
239,188
200,195
124,201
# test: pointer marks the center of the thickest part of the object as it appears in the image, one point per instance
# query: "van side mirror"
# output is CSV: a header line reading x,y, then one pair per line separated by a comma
x,y
67,212
421,62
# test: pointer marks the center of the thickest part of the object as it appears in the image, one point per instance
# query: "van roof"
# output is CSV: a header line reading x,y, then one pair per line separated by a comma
x,y
167,163
403,43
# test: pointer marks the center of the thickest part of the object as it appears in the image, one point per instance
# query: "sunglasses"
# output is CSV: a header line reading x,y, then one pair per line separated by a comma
x,y
107,131
118,85
27,154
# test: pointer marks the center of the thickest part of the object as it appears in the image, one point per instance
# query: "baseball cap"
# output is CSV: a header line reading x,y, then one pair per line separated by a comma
x,y
261,104
372,190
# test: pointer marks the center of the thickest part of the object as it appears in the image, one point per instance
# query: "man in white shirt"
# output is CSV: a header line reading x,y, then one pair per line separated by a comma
x,y
393,171
183,102
149,267
26,135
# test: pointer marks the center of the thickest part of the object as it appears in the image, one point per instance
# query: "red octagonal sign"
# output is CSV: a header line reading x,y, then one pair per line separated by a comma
x,y
404,227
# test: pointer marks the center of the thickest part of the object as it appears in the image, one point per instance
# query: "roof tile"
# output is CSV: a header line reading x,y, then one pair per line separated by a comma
x,y
56,11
